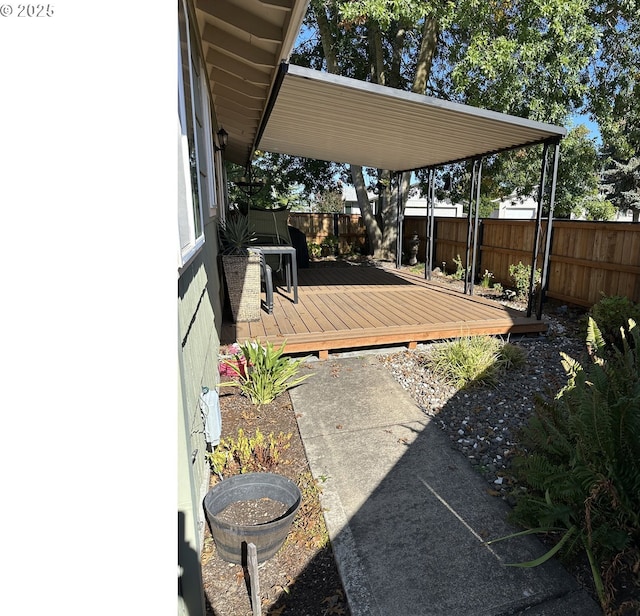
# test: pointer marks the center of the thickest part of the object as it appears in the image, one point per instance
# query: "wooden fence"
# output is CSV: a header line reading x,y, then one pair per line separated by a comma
x,y
587,259
349,230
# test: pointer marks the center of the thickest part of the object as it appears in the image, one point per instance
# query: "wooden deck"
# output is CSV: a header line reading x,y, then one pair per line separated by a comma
x,y
358,306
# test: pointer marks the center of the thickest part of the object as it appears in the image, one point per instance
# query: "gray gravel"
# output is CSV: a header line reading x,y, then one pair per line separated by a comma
x,y
484,422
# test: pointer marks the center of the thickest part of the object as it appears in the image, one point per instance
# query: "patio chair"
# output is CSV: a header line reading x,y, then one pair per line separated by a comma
x,y
271,228
267,280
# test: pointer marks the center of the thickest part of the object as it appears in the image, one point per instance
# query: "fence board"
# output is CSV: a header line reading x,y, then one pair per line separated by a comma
x,y
587,260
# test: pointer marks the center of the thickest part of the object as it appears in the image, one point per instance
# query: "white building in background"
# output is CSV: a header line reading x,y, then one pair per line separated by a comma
x,y
515,207
415,206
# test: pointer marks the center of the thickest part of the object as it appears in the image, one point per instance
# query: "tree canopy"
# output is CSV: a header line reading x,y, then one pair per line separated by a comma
x,y
543,60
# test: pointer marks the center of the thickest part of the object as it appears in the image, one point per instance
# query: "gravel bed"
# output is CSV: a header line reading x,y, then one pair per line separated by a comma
x,y
483,422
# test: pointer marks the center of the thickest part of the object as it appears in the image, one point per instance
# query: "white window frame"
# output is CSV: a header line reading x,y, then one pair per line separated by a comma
x,y
191,231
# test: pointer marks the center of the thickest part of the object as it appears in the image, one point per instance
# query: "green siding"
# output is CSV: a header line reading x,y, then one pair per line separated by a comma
x,y
199,316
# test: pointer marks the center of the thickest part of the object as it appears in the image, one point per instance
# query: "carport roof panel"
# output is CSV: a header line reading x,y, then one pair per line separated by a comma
x,y
327,117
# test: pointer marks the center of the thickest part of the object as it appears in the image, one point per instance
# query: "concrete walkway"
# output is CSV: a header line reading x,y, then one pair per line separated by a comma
x,y
407,515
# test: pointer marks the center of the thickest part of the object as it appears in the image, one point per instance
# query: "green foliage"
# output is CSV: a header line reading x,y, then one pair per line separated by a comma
x,y
521,276
612,313
288,180
267,374
485,281
518,173
622,184
315,250
578,172
580,464
329,201
248,454
614,95
330,244
596,207
460,272
474,359
525,58
235,234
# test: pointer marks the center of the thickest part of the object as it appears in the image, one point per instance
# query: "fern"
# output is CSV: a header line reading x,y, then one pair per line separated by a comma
x,y
581,466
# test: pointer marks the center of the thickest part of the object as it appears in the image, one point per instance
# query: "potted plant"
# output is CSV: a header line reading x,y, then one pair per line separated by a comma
x,y
241,267
231,505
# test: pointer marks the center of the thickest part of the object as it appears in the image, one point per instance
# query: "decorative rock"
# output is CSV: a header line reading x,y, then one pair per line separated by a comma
x,y
483,422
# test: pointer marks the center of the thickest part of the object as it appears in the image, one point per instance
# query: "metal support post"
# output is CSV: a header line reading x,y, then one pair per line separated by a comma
x,y
431,205
547,249
538,227
472,226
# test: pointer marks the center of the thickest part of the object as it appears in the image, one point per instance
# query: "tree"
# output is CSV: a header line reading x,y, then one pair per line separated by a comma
x,y
329,201
515,56
614,76
614,99
622,186
518,173
596,207
286,180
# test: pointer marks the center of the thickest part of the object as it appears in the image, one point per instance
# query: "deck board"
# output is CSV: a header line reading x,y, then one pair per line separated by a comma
x,y
351,306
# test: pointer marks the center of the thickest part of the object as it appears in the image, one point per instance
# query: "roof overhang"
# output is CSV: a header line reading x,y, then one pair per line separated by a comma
x,y
243,43
327,117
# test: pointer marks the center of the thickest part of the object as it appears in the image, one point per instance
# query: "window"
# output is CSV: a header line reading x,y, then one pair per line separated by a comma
x,y
196,172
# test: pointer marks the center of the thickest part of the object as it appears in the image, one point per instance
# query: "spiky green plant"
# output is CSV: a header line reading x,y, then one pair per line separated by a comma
x,y
236,234
581,462
266,374
474,359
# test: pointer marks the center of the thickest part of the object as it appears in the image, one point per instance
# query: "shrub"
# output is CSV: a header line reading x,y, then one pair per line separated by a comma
x,y
461,271
315,250
265,373
611,314
478,359
521,276
581,463
248,454
331,245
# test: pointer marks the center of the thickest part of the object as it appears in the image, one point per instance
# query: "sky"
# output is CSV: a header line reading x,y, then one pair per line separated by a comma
x,y
592,126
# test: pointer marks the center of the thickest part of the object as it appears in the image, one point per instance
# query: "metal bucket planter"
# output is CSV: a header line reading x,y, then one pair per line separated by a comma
x,y
232,539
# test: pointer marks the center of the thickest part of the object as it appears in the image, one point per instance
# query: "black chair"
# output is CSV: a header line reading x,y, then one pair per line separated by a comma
x,y
267,280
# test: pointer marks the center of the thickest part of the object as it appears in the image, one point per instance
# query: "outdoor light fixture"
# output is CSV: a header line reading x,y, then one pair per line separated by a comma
x,y
223,139
250,187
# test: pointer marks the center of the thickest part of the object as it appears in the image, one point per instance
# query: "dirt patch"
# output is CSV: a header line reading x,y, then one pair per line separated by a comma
x,y
302,578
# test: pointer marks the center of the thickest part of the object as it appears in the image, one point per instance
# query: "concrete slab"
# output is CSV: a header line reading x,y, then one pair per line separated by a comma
x,y
407,515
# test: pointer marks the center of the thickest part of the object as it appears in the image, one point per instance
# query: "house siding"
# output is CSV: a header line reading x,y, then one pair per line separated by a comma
x,y
198,346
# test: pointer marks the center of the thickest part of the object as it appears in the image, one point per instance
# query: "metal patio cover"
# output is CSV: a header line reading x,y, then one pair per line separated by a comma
x,y
328,117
